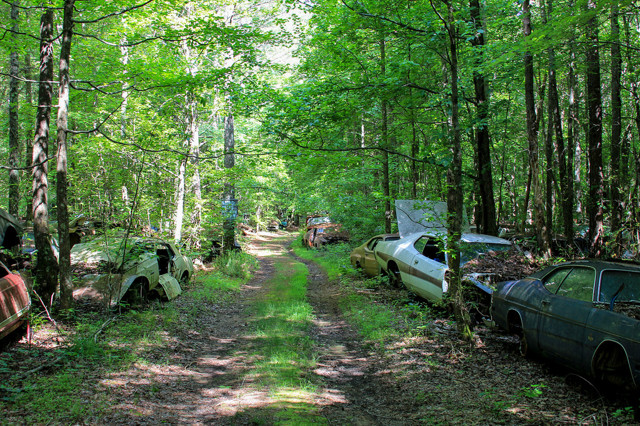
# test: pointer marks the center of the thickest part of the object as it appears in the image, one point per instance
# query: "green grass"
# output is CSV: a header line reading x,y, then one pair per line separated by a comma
x,y
283,352
333,259
281,322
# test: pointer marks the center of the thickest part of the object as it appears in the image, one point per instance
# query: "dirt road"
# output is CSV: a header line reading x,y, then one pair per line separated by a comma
x,y
207,370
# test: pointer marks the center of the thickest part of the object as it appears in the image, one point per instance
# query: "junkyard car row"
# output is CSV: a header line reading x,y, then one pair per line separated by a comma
x,y
320,230
112,270
583,314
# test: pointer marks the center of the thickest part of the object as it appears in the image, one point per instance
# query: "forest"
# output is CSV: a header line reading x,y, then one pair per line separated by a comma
x,y
153,113
190,120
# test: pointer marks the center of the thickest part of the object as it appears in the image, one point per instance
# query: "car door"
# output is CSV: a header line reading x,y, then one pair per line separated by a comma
x,y
426,274
564,313
369,262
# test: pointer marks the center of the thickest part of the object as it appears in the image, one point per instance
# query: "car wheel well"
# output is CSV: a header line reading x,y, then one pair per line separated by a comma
x,y
610,364
514,323
394,274
138,291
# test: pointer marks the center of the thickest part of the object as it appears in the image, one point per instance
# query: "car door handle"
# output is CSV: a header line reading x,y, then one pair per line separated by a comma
x,y
415,262
545,303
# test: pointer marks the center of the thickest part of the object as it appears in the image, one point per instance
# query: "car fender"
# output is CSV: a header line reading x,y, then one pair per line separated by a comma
x,y
170,285
125,287
635,374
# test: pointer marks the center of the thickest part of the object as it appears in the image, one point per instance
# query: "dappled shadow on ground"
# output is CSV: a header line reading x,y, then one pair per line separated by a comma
x,y
203,372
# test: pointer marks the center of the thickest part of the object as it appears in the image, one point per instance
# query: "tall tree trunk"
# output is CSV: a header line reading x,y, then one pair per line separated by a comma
x,y
555,121
454,190
178,217
595,210
488,224
64,262
386,187
572,125
194,152
229,189
14,123
28,139
532,136
46,266
616,128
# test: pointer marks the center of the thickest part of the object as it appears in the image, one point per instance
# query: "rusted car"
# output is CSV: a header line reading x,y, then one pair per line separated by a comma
x,y
581,314
14,301
320,230
419,261
106,270
362,257
10,231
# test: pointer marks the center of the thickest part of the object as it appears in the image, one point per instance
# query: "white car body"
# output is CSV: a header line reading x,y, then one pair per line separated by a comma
x,y
150,265
420,260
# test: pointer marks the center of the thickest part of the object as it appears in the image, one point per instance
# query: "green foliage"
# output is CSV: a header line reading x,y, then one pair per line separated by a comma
x,y
236,265
533,391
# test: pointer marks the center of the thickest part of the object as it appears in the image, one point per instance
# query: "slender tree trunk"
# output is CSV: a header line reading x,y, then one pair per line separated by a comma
x,y
595,211
64,262
572,125
386,187
14,123
229,189
46,267
488,224
616,128
555,121
532,136
178,217
28,140
454,190
194,151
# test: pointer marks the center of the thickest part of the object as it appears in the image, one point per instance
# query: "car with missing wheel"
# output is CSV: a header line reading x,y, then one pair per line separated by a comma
x,y
584,315
321,230
420,261
362,257
129,270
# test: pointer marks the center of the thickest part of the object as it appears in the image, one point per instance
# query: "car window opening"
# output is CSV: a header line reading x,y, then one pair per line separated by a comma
x,y
625,283
163,260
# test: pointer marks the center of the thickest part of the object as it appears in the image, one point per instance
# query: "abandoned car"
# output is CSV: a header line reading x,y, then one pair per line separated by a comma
x,y
581,314
10,230
320,230
419,261
148,267
362,257
14,301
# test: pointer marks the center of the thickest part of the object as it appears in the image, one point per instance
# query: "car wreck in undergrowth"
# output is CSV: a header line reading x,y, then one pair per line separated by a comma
x,y
419,259
581,314
320,231
130,270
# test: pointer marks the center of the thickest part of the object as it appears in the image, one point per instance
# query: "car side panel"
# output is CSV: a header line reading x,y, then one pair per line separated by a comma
x,y
14,302
425,277
562,328
369,263
523,297
605,325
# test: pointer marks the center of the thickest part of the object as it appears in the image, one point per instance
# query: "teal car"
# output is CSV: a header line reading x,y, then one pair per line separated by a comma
x,y
583,315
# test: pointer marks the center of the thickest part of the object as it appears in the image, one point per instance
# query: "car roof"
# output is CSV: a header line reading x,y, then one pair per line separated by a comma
x,y
603,264
467,237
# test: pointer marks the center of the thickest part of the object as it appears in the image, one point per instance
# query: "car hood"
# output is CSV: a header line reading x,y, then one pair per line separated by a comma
x,y
424,216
